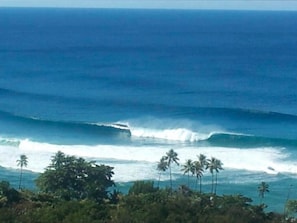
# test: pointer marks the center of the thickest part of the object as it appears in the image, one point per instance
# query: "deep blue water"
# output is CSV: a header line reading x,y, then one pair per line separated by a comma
x,y
221,83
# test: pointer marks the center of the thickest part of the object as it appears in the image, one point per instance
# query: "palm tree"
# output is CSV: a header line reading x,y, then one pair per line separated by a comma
x,y
188,168
202,159
162,167
198,170
218,167
22,162
214,165
58,160
262,189
210,165
171,157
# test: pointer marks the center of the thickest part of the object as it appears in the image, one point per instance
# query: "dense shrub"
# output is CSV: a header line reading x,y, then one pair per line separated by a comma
x,y
71,178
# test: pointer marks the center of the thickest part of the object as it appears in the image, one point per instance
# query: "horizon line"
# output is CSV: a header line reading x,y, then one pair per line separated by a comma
x,y
153,8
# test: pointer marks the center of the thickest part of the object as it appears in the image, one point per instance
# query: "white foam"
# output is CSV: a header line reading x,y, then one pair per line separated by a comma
x,y
178,134
171,129
9,141
269,160
139,162
117,125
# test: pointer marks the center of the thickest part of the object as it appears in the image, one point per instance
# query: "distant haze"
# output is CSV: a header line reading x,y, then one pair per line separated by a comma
x,y
162,4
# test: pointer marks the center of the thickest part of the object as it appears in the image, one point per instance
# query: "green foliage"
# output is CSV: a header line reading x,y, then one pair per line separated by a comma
x,y
8,195
61,212
161,206
71,178
72,212
142,187
7,215
4,187
291,207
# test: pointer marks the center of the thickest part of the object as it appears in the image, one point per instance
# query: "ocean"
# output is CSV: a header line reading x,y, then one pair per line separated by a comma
x,y
123,86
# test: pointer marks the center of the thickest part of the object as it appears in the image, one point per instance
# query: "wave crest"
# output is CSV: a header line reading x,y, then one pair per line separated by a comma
x,y
178,134
9,142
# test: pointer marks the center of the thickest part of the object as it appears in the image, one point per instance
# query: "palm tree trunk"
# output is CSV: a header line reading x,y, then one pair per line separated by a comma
x,y
196,186
200,184
261,200
170,178
21,176
159,179
212,183
215,188
188,180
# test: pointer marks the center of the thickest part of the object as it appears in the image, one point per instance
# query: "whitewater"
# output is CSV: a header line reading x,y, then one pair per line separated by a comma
x,y
123,87
264,159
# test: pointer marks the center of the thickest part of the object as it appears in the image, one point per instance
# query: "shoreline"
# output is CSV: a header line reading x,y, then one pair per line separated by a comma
x,y
275,199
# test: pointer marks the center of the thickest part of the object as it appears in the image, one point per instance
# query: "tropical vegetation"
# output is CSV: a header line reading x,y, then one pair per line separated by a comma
x,y
188,168
162,167
22,162
214,165
71,178
73,190
171,157
262,189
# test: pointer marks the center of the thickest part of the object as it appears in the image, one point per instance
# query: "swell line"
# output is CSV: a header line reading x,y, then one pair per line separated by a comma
x,y
246,113
248,141
65,128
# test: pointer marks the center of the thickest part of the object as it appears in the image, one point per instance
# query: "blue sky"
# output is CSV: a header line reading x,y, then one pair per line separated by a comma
x,y
168,4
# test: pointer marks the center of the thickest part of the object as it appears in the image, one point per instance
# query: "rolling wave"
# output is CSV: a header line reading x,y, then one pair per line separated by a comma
x,y
248,141
215,138
30,126
267,115
9,142
47,129
246,114
9,92
170,134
